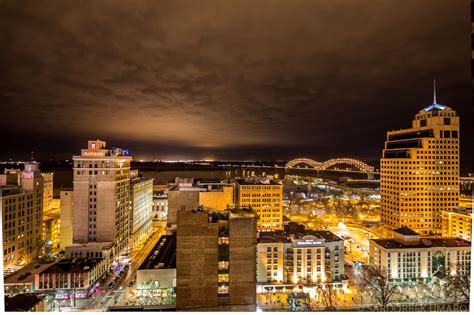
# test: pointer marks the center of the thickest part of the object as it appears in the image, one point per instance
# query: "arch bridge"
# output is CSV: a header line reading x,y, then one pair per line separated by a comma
x,y
361,166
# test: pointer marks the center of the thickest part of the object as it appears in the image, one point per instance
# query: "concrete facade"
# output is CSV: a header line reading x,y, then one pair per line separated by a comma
x,y
189,194
216,254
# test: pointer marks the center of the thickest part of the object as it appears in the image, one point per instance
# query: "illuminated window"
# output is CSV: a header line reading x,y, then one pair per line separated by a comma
x,y
223,277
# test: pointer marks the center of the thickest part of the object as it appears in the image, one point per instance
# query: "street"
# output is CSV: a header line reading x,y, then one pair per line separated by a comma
x,y
120,293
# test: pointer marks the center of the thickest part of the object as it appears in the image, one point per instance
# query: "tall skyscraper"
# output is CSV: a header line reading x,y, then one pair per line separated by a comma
x,y
419,171
101,195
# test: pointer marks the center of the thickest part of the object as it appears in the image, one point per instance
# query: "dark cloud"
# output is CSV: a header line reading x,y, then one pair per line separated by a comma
x,y
237,79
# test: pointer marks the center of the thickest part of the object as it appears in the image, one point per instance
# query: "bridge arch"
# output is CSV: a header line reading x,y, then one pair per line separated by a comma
x,y
356,163
312,163
327,164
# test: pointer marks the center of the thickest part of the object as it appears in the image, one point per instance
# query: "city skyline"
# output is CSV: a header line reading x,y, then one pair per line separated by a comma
x,y
222,156
247,81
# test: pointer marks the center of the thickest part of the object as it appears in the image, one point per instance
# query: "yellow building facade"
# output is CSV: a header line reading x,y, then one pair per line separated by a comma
x,y
419,171
52,228
217,200
265,197
457,223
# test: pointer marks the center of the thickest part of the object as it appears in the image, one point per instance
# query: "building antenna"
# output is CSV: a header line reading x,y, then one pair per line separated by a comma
x,y
434,92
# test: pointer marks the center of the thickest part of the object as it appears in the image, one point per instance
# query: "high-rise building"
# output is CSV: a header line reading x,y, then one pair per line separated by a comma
x,y
101,195
419,171
141,196
215,260
21,203
457,223
407,256
265,197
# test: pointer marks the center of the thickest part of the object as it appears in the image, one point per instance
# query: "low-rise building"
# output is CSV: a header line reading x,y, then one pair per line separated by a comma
x,y
299,256
409,257
457,223
160,207
190,193
71,277
26,302
157,274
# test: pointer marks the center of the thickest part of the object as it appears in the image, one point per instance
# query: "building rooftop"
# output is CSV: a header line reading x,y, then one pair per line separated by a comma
x,y
10,190
163,254
434,107
288,237
460,210
21,302
106,245
72,265
140,179
200,184
391,243
257,181
405,231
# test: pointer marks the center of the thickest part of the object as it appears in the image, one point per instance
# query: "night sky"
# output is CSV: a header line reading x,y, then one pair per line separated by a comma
x,y
229,79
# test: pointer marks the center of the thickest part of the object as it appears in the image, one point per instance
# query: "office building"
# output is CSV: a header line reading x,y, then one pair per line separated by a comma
x,y
299,256
21,202
216,255
101,195
188,194
457,223
409,257
141,196
265,197
419,171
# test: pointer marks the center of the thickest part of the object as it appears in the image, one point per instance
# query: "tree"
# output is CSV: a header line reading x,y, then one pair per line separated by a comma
x,y
384,290
329,296
458,286
299,302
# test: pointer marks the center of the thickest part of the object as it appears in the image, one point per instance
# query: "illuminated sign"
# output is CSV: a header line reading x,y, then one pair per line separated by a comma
x,y
309,242
93,153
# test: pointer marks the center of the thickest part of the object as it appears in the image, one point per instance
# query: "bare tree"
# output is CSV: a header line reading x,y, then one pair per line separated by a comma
x,y
328,295
384,290
458,286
